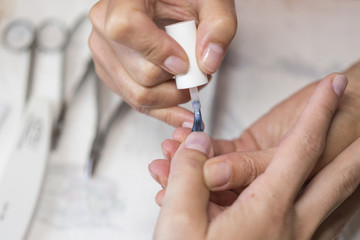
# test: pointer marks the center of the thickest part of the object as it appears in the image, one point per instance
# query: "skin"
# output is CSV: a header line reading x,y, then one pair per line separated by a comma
x,y
129,34
123,37
250,154
275,205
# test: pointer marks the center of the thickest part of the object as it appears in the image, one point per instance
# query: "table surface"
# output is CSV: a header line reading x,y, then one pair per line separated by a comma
x,y
280,47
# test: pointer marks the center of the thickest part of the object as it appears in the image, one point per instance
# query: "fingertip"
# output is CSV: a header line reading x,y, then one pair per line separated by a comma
x,y
169,148
217,174
339,84
199,141
211,57
217,28
180,134
159,197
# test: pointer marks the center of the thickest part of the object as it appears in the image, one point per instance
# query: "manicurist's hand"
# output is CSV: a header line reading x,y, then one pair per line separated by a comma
x,y
136,58
275,205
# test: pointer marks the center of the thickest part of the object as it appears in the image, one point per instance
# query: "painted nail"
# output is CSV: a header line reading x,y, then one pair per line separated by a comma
x,y
339,84
187,125
217,174
176,65
212,56
199,141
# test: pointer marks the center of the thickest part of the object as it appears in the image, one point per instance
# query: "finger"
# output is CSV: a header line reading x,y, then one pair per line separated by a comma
x,y
184,207
235,170
223,198
213,209
169,147
128,23
333,224
216,30
159,170
159,96
301,148
246,142
149,74
220,146
329,188
159,197
180,134
173,116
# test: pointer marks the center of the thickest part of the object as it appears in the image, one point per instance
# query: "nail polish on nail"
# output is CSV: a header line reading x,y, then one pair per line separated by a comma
x,y
212,56
217,174
198,141
187,125
339,84
176,65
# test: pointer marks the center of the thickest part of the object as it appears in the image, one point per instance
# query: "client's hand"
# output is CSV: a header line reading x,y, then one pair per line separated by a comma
x,y
275,205
266,133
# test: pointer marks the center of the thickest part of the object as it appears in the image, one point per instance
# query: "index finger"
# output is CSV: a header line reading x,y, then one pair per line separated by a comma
x,y
300,150
128,23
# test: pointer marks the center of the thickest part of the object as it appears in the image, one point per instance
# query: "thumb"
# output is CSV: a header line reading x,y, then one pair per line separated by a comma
x,y
186,194
216,30
235,170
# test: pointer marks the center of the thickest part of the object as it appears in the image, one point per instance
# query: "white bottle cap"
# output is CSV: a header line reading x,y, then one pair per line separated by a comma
x,y
185,34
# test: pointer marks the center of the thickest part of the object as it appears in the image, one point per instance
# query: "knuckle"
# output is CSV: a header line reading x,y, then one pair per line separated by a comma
x,y
231,26
152,51
92,42
117,26
149,76
141,97
251,168
349,181
94,12
169,118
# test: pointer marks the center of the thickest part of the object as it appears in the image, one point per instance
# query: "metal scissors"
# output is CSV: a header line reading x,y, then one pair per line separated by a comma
x,y
106,117
25,168
22,36
67,98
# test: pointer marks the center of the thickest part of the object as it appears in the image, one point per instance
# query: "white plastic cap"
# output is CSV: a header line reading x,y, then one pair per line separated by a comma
x,y
185,34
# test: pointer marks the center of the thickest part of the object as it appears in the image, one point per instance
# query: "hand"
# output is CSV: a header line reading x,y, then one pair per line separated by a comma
x,y
274,205
266,133
137,59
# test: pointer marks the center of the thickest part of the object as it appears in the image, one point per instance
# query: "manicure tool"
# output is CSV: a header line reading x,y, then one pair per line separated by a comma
x,y
24,172
105,120
66,98
185,34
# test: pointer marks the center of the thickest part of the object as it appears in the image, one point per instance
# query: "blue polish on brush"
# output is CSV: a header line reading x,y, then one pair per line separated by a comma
x,y
198,123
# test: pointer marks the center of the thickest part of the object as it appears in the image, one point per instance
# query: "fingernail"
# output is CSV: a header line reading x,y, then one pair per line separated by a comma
x,y
176,65
187,124
212,56
165,154
217,174
339,84
198,141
